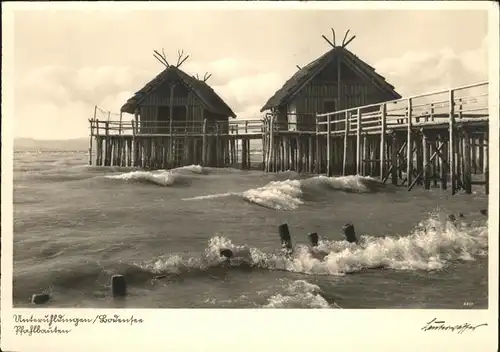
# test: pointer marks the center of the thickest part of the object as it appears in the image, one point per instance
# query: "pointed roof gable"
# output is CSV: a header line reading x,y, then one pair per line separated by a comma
x,y
295,84
203,92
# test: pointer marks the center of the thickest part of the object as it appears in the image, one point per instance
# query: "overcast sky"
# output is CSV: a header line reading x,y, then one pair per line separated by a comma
x,y
66,62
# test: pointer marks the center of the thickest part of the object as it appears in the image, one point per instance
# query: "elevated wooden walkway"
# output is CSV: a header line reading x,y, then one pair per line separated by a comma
x,y
437,139
157,145
429,139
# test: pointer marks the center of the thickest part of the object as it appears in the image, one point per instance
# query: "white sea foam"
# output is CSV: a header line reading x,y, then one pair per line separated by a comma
x,y
279,195
431,246
299,294
159,177
197,169
288,194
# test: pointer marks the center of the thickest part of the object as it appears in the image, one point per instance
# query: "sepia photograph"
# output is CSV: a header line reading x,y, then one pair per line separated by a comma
x,y
225,158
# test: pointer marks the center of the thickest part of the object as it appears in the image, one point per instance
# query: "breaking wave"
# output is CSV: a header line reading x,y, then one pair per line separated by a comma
x,y
299,294
289,194
160,177
433,245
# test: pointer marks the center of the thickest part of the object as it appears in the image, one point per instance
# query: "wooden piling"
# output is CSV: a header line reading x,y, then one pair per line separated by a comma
x,y
383,115
358,142
467,174
328,146
425,161
451,144
395,159
91,139
409,145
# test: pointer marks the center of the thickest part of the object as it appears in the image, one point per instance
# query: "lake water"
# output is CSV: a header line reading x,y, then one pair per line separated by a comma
x,y
75,226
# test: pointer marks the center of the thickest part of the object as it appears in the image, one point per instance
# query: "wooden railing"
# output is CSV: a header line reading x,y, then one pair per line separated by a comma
x,y
160,128
467,103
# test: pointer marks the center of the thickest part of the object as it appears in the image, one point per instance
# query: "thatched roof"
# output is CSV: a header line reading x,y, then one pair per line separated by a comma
x,y
307,73
203,92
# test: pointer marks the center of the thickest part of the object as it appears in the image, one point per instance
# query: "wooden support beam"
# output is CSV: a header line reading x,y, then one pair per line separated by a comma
x,y
358,142
425,161
395,159
467,173
328,146
451,144
383,115
204,146
91,138
409,148
347,117
317,164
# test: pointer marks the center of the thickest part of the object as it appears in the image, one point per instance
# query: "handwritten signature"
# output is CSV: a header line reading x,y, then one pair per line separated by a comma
x,y
440,325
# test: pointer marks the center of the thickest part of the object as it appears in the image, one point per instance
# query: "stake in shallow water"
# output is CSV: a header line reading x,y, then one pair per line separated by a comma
x,y
118,286
40,298
286,241
313,238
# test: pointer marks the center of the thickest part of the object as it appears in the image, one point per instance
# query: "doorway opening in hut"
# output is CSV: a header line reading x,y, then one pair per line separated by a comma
x,y
163,119
179,121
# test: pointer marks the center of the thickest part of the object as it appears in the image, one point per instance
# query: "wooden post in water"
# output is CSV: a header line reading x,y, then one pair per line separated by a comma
x,y
425,160
328,146
90,139
311,154
107,158
217,144
486,164
243,153
271,152
409,146
317,164
120,126
347,116
467,176
98,156
383,116
358,142
444,162
171,112
204,146
451,143
395,159
134,140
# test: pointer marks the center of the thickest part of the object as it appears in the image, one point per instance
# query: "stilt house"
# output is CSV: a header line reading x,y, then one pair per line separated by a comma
x,y
175,102
335,81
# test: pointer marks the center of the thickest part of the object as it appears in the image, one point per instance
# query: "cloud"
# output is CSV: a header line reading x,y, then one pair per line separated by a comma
x,y
421,71
57,100
64,97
